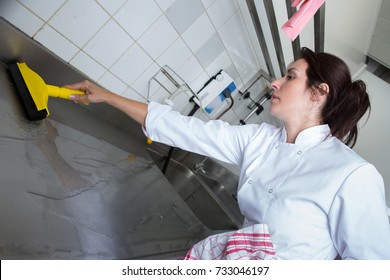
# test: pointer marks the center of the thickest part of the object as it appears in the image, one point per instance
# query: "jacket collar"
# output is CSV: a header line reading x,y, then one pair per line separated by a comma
x,y
310,136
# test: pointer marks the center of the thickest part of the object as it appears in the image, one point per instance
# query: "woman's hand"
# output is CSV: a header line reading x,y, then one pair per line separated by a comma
x,y
93,93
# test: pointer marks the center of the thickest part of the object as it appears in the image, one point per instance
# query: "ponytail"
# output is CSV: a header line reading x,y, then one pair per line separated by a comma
x,y
346,102
343,114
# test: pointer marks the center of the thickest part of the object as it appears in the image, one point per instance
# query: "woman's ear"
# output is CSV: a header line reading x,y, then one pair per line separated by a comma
x,y
320,92
323,88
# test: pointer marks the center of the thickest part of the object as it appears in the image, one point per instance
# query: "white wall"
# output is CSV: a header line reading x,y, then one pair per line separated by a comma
x,y
380,43
374,136
121,44
349,28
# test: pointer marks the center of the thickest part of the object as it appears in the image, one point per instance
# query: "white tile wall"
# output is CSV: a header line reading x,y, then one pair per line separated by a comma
x,y
207,3
210,50
121,44
243,57
175,55
141,84
190,69
183,13
158,37
79,20
54,41
132,64
109,44
199,32
222,61
131,93
164,4
231,28
137,16
111,6
221,10
88,65
44,9
110,81
21,17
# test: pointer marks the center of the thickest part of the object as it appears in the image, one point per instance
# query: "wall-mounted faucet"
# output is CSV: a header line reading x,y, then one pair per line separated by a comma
x,y
199,167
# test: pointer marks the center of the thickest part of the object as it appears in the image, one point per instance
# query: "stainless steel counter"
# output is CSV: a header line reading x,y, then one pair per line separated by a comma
x,y
80,184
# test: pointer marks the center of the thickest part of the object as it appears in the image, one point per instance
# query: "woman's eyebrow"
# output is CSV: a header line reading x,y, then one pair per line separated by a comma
x,y
293,69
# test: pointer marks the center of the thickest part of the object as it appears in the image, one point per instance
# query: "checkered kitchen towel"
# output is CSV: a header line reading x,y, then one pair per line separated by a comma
x,y
250,243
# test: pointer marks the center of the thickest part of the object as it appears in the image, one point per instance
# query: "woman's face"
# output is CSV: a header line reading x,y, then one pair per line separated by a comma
x,y
291,99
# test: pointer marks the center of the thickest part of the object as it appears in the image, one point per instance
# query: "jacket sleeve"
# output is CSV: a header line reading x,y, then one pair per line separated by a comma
x,y
215,138
358,218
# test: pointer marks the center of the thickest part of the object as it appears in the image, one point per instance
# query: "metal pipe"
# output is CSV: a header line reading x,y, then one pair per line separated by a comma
x,y
319,29
173,81
260,36
269,8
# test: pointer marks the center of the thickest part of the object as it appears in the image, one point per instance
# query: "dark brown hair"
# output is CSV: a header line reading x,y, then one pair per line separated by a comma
x,y
346,102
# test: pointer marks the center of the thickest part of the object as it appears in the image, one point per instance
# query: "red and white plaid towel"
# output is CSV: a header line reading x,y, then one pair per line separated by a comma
x,y
250,243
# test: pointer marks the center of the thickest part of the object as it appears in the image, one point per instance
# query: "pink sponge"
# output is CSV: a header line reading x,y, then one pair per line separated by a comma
x,y
298,21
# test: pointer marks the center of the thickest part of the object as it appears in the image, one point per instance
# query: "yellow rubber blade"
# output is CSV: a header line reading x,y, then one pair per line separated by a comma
x,y
36,86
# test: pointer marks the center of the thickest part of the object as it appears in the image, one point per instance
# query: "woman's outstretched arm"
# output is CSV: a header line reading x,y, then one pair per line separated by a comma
x,y
95,94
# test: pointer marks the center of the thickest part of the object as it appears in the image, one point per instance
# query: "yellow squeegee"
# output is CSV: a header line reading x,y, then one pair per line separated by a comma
x,y
34,92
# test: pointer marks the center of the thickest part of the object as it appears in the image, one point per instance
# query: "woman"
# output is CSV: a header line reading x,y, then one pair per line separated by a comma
x,y
316,196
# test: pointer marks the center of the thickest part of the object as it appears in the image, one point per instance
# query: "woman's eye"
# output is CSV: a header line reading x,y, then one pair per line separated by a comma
x,y
289,77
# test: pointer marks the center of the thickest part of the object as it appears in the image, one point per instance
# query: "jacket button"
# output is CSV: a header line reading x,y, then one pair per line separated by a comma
x,y
250,182
270,190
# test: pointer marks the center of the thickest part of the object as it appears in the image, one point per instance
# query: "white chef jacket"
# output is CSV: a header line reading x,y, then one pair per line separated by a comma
x,y
317,196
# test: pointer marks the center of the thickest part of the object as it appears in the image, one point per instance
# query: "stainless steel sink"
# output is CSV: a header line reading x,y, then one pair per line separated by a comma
x,y
210,195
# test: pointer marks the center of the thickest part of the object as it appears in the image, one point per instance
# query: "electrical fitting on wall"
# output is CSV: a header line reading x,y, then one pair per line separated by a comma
x,y
212,98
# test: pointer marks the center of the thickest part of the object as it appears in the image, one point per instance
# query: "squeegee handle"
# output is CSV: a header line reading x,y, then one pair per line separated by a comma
x,y
61,92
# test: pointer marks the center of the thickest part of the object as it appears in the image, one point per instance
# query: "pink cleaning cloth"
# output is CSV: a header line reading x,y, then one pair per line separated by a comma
x,y
249,243
298,21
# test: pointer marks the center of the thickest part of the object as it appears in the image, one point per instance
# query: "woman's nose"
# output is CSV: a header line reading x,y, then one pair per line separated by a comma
x,y
275,84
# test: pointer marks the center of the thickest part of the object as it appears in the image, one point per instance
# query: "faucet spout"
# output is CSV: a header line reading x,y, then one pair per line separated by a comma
x,y
199,167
